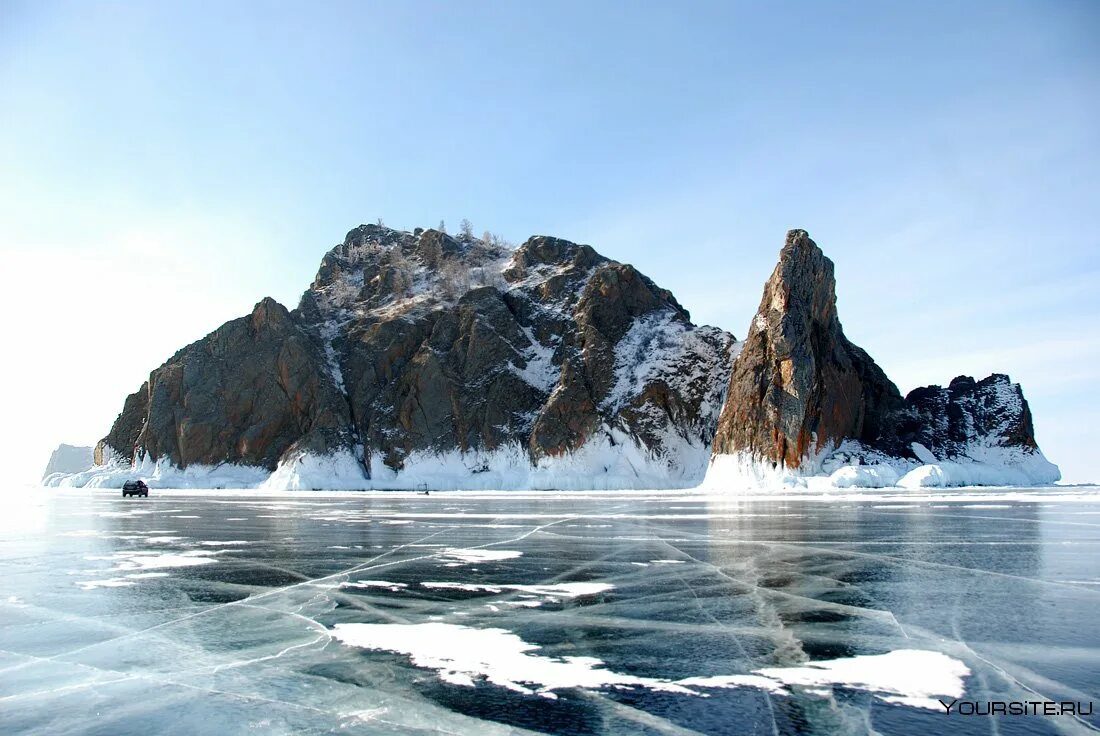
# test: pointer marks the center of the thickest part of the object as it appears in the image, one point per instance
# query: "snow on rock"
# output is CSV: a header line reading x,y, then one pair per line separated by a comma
x,y
989,466
306,472
418,360
539,369
864,476
163,474
807,408
421,358
613,461
995,466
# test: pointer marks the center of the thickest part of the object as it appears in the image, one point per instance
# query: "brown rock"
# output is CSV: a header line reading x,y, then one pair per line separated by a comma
x,y
246,393
799,386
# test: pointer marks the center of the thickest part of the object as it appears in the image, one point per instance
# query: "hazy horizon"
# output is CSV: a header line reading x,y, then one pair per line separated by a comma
x,y
163,167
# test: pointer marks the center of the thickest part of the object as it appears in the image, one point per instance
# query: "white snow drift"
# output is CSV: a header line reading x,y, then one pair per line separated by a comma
x,y
462,655
853,466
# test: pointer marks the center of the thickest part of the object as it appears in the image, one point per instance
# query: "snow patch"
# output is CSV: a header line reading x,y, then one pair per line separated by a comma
x,y
852,466
612,460
908,676
479,555
392,587
307,471
164,474
558,590
109,583
864,476
154,560
462,655
539,369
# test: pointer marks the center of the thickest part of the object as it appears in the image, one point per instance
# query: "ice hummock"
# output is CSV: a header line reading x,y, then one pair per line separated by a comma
x,y
611,461
853,466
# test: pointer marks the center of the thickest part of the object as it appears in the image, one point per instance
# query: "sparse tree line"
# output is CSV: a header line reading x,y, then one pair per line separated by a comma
x,y
397,273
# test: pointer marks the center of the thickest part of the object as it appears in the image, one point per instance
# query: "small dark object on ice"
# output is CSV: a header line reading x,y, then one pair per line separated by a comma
x,y
135,488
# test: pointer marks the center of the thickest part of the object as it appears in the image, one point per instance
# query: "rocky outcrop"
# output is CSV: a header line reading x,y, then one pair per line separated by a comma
x,y
418,358
409,347
800,387
803,400
68,459
948,422
248,393
458,344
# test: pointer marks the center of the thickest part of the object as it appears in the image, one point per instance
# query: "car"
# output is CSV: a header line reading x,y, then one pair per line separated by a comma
x,y
135,488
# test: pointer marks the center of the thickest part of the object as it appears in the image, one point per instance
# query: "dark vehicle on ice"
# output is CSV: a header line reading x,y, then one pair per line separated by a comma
x,y
135,488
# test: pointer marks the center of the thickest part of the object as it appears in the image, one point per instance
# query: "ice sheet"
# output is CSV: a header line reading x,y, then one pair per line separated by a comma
x,y
663,612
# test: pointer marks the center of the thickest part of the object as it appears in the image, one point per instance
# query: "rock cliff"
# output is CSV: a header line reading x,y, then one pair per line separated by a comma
x,y
450,361
800,387
250,392
804,400
418,359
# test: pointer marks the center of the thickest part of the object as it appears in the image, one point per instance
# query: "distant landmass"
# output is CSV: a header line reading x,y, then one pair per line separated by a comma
x,y
67,459
425,360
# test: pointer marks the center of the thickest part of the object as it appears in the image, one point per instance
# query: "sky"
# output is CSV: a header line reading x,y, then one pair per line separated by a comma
x,y
164,166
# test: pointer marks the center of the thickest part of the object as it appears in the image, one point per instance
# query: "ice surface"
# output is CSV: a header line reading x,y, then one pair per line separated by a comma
x,y
461,655
618,612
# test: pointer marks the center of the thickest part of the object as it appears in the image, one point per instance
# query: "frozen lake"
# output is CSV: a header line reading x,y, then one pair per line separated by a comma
x,y
231,612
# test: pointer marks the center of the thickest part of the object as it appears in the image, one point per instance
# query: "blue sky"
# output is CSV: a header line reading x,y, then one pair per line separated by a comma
x,y
164,166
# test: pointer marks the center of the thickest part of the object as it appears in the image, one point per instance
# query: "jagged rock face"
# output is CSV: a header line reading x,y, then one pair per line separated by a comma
x,y
526,356
803,397
413,343
248,393
799,386
123,439
950,421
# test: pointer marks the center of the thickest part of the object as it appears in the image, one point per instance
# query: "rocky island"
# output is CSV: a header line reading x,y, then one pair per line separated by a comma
x,y
804,401
424,360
